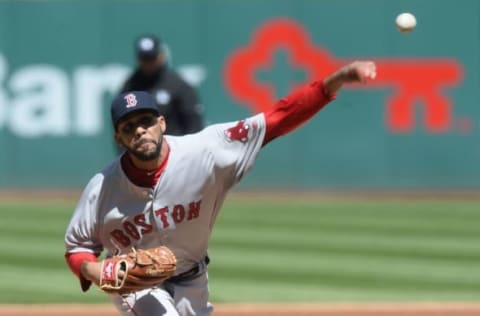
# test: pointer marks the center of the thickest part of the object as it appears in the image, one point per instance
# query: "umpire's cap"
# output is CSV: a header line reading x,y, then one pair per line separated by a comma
x,y
130,102
148,47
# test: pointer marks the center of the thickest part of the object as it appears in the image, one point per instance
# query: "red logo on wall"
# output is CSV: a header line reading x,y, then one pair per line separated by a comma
x,y
412,80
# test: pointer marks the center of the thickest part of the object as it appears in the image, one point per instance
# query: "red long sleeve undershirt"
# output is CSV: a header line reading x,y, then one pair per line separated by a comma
x,y
294,110
287,115
75,261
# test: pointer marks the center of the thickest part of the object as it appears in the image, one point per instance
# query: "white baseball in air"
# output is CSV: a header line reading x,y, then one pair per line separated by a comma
x,y
406,22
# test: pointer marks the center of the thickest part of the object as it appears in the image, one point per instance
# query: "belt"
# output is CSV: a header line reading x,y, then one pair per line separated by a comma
x,y
190,274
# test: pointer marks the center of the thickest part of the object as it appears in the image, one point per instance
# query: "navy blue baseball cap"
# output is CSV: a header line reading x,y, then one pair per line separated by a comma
x,y
130,102
148,47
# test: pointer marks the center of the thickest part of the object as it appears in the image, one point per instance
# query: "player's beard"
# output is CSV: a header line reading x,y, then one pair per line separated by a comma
x,y
146,155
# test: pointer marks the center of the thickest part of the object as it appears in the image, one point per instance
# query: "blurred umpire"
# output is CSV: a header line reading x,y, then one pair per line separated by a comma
x,y
177,100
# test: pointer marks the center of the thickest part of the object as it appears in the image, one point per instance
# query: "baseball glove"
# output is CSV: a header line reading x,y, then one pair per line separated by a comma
x,y
137,270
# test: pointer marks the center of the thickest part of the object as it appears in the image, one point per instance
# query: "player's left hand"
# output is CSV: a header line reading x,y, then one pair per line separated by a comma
x,y
358,71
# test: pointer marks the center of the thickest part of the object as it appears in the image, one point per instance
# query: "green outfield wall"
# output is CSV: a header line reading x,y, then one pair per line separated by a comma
x,y
416,126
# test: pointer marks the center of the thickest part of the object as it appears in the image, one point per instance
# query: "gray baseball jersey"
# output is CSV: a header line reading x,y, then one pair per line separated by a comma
x,y
180,211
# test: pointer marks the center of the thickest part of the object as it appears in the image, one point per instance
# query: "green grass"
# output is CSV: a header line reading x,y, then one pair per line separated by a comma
x,y
280,251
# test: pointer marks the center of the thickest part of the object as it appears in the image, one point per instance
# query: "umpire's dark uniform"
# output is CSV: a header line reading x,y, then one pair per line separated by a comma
x,y
177,100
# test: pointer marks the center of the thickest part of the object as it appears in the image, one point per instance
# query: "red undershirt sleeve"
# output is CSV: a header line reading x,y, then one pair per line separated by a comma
x,y
294,110
75,261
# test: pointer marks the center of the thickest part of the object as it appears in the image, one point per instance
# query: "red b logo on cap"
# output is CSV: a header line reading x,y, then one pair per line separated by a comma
x,y
131,100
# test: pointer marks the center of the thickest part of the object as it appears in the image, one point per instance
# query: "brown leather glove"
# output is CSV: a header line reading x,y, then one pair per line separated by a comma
x,y
137,270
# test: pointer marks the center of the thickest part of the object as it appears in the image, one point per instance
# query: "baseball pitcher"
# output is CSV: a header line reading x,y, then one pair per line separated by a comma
x,y
153,208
